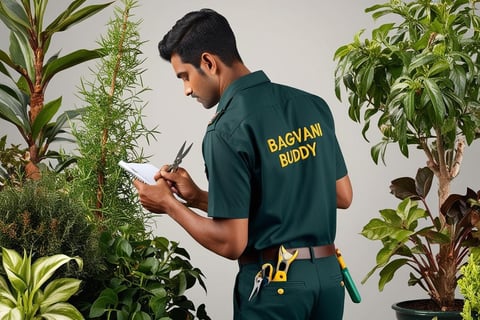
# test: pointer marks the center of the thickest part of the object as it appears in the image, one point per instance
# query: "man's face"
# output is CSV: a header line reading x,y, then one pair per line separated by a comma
x,y
200,84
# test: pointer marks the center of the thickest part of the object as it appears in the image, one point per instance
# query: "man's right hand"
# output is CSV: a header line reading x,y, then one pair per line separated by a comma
x,y
183,186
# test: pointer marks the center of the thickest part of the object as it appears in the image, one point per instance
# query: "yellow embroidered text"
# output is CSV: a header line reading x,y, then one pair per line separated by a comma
x,y
295,142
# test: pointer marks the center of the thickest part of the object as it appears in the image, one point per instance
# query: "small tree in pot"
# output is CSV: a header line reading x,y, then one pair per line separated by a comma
x,y
418,77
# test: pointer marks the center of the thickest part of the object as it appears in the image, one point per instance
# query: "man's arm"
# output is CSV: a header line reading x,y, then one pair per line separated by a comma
x,y
344,192
226,237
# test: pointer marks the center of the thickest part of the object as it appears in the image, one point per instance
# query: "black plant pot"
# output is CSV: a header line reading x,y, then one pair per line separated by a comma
x,y
404,312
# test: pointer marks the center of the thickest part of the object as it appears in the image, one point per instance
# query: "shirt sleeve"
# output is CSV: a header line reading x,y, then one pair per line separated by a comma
x,y
229,185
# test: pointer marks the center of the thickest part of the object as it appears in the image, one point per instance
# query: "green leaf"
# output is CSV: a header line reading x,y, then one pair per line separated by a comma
x,y
14,16
77,57
6,297
436,97
391,217
62,311
124,248
421,60
107,299
459,77
378,151
13,314
45,115
366,78
388,272
438,68
377,229
22,54
381,32
13,266
59,290
54,129
181,282
44,267
409,104
149,265
13,107
69,18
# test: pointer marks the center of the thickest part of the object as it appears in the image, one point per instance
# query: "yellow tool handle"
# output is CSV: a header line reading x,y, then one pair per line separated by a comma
x,y
280,276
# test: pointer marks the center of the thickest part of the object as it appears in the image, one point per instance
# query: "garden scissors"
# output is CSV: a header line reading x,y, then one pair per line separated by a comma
x,y
285,258
178,159
262,279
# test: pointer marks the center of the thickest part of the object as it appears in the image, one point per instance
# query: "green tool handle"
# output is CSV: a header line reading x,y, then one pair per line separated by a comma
x,y
351,287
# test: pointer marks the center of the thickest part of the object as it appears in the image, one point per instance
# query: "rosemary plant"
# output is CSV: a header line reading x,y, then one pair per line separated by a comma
x,y
112,125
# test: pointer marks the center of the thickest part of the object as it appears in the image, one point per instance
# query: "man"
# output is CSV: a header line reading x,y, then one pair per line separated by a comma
x,y
276,176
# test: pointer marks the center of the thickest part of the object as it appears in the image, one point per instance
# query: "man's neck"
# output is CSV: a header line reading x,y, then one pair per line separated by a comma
x,y
236,71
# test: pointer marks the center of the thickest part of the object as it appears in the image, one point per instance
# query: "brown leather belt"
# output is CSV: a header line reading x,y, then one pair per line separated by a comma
x,y
272,254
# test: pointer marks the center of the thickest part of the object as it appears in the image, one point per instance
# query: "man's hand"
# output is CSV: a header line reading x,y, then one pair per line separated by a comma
x,y
155,198
184,187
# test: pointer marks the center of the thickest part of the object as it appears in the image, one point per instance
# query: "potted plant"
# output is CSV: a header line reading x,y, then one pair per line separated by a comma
x,y
418,77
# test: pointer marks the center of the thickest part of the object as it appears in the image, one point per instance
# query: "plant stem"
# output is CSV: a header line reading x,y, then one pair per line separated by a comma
x,y
101,170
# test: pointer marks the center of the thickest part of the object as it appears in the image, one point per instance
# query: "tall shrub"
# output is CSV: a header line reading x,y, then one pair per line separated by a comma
x,y
111,126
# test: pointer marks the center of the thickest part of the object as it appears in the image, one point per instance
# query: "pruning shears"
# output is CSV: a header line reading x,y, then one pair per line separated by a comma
x,y
285,258
262,278
178,159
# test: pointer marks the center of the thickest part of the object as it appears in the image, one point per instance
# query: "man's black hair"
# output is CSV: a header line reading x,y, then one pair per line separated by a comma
x,y
198,32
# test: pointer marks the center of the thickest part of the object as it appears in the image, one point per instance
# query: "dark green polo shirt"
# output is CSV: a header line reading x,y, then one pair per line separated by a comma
x,y
271,155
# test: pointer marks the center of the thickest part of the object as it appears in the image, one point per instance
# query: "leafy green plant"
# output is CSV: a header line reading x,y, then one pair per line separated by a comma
x,y
149,282
407,241
111,125
45,218
29,293
23,104
418,77
469,285
144,278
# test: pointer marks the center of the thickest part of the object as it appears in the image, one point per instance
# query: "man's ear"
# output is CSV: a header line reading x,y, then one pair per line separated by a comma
x,y
209,62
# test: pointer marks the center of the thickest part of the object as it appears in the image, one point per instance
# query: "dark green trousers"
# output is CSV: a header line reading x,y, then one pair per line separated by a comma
x,y
314,291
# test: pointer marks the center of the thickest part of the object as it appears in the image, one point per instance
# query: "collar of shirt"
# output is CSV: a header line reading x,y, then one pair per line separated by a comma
x,y
250,80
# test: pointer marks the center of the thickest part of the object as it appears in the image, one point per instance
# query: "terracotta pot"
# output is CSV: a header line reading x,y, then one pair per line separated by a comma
x,y
404,312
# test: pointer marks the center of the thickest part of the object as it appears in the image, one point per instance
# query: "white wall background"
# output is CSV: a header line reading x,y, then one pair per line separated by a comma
x,y
294,43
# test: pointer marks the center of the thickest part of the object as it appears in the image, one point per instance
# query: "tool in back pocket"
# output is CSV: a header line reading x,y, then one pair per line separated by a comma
x,y
285,258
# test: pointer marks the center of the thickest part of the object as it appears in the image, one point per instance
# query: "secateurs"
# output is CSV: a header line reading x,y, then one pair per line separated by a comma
x,y
266,275
262,278
285,258
178,159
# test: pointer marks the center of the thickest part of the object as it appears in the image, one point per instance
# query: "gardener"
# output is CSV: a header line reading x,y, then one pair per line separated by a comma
x,y
276,176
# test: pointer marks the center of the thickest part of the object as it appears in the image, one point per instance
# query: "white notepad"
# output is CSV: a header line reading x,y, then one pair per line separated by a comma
x,y
142,171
